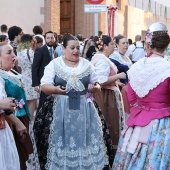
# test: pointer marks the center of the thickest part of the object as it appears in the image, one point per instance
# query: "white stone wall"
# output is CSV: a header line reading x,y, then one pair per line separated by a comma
x,y
141,22
23,13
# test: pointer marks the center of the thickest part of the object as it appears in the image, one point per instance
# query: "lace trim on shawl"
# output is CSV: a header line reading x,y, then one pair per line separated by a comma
x,y
116,56
147,74
11,78
72,79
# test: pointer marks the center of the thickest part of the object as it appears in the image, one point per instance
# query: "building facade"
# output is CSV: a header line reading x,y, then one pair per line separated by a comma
x,y
64,16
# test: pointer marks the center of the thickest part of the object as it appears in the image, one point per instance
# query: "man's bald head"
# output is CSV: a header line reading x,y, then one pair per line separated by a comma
x,y
138,38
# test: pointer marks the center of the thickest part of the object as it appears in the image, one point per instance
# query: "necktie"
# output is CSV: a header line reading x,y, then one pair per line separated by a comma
x,y
51,53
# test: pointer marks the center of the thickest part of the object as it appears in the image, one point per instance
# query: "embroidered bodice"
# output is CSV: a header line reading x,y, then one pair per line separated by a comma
x,y
71,75
74,95
148,92
147,74
13,88
76,80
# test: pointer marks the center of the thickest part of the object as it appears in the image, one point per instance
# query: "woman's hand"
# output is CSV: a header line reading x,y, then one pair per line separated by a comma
x,y
51,89
7,104
19,126
60,89
21,130
94,87
37,89
120,84
122,75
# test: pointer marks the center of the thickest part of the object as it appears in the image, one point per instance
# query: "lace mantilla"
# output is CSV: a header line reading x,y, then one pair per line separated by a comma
x,y
147,74
11,78
72,79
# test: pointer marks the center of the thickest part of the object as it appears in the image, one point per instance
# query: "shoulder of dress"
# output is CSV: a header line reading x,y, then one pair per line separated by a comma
x,y
115,55
84,60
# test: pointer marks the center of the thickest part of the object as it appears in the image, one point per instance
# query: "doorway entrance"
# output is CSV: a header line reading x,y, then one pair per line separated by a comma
x,y
67,16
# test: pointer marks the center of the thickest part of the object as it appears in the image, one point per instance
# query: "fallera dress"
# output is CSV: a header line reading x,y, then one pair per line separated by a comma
x,y
109,98
9,158
67,128
144,143
14,88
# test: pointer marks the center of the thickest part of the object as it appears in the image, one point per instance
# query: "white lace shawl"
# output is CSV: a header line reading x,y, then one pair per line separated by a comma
x,y
147,74
71,75
116,56
15,79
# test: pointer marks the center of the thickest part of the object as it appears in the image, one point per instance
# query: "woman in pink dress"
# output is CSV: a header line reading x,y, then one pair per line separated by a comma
x,y
144,144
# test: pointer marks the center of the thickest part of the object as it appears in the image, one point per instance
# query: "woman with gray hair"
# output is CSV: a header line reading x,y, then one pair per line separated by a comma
x,y
144,144
14,89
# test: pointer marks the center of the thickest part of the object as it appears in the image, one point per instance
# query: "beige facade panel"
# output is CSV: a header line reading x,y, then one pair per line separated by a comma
x,y
23,13
69,15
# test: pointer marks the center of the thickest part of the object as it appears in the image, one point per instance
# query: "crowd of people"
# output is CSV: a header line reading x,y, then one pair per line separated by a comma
x,y
72,103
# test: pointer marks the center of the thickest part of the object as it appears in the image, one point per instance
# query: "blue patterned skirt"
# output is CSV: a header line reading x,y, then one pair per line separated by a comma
x,y
155,155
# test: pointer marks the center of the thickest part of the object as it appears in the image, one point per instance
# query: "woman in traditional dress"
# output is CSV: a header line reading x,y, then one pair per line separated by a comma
x,y
144,144
119,57
14,89
109,99
9,158
67,128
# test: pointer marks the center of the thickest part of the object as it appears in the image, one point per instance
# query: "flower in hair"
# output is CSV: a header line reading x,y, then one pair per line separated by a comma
x,y
100,44
99,47
148,38
100,40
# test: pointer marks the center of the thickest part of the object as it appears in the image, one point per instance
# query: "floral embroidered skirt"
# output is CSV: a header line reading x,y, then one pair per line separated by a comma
x,y
69,139
155,155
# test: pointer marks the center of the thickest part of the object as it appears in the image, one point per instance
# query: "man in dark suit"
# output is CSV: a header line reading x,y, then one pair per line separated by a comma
x,y
42,57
